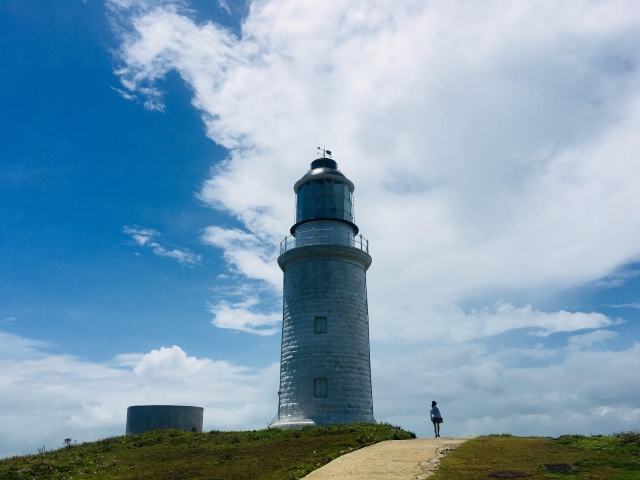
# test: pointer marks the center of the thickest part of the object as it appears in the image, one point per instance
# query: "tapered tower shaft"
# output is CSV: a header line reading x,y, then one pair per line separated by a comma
x,y
325,371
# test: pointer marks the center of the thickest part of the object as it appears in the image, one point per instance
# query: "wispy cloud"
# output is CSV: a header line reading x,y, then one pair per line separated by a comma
x,y
252,258
125,95
153,99
504,317
625,305
179,255
588,339
249,254
224,6
616,279
144,238
240,317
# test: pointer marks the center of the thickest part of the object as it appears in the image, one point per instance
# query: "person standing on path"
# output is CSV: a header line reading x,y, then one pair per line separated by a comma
x,y
436,418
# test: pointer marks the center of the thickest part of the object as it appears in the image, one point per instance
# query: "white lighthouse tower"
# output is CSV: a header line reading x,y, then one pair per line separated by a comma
x,y
325,368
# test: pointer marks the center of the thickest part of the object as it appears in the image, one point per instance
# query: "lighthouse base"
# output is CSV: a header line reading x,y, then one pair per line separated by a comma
x,y
293,423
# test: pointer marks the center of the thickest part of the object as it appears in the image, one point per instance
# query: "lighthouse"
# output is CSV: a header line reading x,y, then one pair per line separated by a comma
x,y
325,366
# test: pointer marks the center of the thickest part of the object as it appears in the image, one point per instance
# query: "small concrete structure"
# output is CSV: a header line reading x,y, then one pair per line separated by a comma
x,y
142,418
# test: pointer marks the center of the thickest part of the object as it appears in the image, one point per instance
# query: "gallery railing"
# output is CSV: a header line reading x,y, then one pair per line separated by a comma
x,y
324,237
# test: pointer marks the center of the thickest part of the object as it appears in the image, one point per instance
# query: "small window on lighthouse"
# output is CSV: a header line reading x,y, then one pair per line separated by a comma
x,y
320,387
321,324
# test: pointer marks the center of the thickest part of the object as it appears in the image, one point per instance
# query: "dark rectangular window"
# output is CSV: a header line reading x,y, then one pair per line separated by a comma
x,y
321,324
320,387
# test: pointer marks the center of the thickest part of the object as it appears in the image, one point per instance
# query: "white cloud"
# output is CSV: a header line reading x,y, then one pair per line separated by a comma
x,y
123,94
481,391
588,339
179,255
453,323
144,236
141,235
13,346
626,305
239,317
127,359
492,145
224,6
494,150
45,398
249,254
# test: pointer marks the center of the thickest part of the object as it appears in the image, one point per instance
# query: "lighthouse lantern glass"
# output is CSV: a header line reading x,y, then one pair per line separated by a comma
x,y
324,198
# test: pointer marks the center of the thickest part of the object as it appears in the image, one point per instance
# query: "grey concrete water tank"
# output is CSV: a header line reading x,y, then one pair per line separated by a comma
x,y
142,418
325,368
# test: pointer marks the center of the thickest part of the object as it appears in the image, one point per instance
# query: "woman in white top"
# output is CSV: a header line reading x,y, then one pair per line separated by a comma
x,y
436,418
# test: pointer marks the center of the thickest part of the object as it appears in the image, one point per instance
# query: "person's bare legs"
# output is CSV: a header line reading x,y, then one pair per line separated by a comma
x,y
436,428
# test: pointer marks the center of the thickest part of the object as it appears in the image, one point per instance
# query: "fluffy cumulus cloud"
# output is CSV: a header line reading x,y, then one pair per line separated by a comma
x,y
46,397
493,147
566,390
574,388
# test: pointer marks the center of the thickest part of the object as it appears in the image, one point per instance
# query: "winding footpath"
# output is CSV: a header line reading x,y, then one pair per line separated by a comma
x,y
414,459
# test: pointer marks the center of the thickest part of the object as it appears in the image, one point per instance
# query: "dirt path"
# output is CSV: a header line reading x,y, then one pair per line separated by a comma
x,y
390,460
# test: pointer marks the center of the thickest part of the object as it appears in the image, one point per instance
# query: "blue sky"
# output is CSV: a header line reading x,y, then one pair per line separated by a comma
x,y
79,164
149,149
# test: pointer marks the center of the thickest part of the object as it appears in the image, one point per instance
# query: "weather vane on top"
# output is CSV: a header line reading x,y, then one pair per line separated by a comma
x,y
325,152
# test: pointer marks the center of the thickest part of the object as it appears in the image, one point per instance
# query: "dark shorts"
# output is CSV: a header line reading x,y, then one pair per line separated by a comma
x,y
437,420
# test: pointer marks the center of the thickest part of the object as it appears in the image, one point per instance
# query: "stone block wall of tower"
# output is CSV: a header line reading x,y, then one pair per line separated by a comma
x,y
325,281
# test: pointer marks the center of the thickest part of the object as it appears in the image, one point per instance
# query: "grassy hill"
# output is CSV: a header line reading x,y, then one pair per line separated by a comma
x,y
276,454
172,454
615,457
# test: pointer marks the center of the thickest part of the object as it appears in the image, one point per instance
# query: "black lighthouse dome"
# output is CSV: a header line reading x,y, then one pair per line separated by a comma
x,y
324,193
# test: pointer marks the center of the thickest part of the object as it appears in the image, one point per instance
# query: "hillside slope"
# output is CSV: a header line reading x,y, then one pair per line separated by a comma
x,y
172,454
615,457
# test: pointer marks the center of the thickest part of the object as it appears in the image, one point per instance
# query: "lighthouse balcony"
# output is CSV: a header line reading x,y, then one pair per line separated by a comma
x,y
325,236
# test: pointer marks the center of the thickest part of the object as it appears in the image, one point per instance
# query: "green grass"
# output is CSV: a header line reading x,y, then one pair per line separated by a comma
x,y
615,457
172,454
